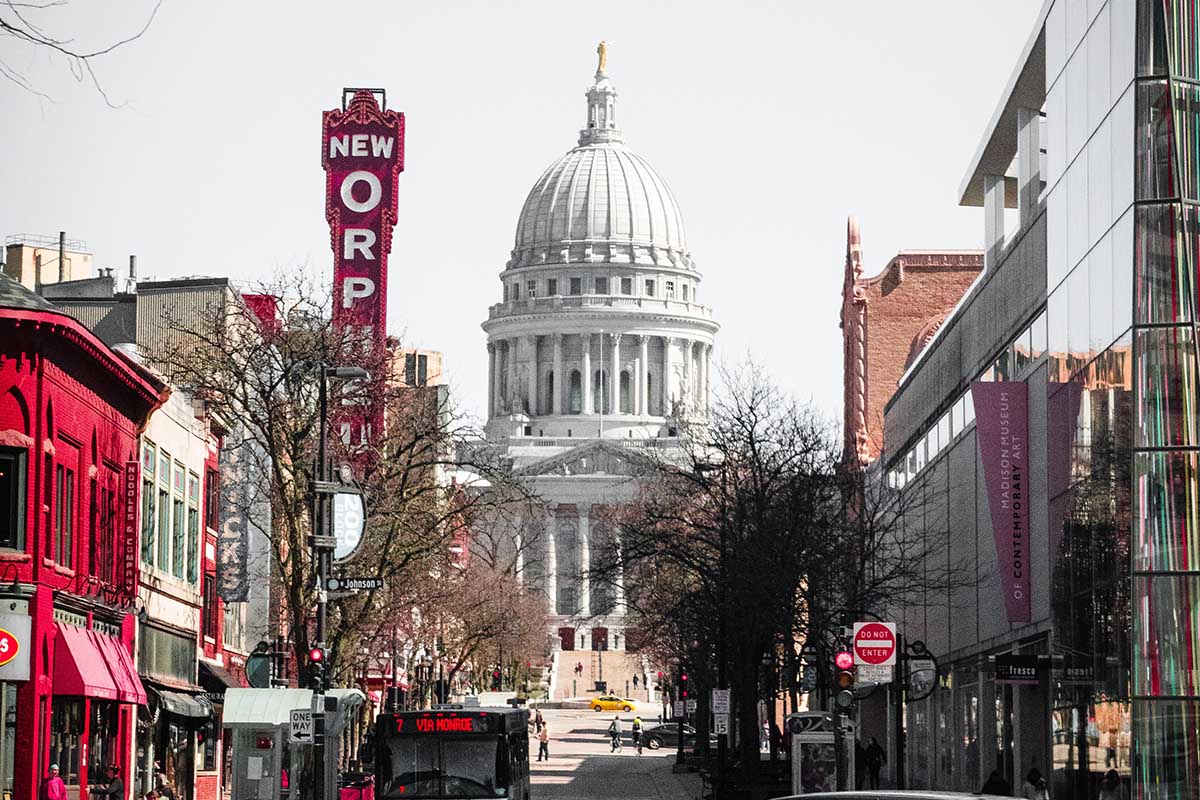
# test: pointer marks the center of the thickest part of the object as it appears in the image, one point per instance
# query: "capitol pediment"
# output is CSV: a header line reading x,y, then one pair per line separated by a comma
x,y
597,457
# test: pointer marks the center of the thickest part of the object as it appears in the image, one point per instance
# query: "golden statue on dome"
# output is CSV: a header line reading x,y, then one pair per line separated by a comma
x,y
602,51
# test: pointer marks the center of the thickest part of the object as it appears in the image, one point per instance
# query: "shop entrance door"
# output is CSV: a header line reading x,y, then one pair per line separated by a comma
x,y
567,637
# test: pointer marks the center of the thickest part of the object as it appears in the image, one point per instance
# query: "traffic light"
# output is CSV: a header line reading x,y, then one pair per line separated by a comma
x,y
683,685
316,669
496,680
843,678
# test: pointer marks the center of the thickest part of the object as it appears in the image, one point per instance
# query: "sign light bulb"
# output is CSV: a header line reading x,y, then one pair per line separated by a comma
x,y
843,660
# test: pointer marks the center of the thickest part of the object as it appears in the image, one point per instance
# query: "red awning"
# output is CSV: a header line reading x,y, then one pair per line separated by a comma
x,y
80,666
120,664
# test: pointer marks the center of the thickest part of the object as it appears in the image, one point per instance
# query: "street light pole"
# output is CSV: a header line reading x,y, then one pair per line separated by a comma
x,y
322,555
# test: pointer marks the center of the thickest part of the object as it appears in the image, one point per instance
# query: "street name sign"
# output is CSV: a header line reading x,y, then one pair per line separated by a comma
x,y
720,701
353,584
875,643
301,728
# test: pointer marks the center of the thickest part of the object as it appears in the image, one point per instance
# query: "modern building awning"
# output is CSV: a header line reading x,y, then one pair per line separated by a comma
x,y
80,666
120,664
183,704
262,708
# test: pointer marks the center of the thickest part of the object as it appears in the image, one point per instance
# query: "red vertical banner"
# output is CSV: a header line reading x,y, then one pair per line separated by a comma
x,y
363,155
1002,425
130,530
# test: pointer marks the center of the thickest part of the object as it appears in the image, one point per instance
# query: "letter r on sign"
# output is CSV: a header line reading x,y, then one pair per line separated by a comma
x,y
355,289
360,240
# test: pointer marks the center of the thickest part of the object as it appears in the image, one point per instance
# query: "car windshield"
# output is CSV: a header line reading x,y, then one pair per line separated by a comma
x,y
464,767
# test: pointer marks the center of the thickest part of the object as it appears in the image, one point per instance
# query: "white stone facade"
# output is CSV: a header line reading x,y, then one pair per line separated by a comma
x,y
598,349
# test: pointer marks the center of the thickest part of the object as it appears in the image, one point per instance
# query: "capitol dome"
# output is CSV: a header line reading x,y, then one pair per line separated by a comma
x,y
600,202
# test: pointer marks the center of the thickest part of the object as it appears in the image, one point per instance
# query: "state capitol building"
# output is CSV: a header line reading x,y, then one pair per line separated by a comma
x,y
599,353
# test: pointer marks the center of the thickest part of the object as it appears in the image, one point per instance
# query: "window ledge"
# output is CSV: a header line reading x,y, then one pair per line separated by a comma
x,y
15,556
61,570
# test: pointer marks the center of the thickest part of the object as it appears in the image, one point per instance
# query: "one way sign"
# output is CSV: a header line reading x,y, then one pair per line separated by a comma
x,y
301,731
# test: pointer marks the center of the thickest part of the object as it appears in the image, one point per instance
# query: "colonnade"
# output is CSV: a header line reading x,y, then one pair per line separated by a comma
x,y
568,521
543,392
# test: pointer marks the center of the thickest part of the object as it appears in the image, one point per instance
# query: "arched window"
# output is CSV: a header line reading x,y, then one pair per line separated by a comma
x,y
601,392
575,395
626,394
550,392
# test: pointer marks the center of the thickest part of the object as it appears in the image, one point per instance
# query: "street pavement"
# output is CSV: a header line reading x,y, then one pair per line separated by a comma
x,y
581,766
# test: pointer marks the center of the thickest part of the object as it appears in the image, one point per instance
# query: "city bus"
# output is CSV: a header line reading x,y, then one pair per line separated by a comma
x,y
453,752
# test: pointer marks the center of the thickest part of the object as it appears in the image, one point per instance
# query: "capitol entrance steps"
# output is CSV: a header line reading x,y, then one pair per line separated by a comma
x,y
579,670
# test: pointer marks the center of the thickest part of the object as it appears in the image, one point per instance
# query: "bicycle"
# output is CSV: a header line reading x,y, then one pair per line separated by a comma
x,y
616,743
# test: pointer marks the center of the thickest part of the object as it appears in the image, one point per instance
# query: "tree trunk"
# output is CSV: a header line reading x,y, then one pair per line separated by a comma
x,y
748,727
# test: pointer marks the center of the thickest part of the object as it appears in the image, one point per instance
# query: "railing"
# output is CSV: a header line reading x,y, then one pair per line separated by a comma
x,y
51,242
533,305
666,443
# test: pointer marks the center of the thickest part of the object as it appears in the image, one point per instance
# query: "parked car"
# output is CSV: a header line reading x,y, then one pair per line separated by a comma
x,y
667,735
609,702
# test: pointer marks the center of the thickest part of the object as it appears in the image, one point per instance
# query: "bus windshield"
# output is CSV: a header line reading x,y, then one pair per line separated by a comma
x,y
442,767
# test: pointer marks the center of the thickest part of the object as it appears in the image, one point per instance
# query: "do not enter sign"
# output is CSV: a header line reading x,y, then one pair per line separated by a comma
x,y
875,643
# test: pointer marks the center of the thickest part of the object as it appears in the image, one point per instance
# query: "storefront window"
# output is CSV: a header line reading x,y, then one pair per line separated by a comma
x,y
102,737
66,737
12,498
208,745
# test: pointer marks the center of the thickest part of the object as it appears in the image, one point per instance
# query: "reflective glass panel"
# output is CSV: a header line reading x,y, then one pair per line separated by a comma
x,y
1154,173
1187,138
1163,265
1165,756
1166,629
1168,512
1166,397
1181,32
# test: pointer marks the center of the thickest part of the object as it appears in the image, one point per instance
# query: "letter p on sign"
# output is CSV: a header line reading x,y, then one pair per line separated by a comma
x,y
356,289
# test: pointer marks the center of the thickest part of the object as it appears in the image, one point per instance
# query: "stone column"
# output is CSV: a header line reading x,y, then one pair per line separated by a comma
x,y
585,339
533,376
585,566
666,376
550,568
559,378
1029,163
687,392
706,365
510,378
614,375
993,219
491,348
643,365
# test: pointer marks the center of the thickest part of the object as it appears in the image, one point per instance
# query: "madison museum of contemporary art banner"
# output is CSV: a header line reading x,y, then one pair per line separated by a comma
x,y
1002,425
363,153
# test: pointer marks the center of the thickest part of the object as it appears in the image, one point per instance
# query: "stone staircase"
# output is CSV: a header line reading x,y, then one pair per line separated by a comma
x,y
615,667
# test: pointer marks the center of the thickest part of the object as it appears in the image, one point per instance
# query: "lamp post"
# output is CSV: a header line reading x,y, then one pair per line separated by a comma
x,y
722,579
322,543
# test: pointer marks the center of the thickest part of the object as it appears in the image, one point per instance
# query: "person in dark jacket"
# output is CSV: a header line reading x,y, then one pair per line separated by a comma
x,y
115,788
996,785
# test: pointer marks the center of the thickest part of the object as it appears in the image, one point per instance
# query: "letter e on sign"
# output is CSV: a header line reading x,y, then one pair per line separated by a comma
x,y
9,647
875,643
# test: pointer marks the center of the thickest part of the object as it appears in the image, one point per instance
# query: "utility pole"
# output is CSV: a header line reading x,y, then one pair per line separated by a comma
x,y
62,256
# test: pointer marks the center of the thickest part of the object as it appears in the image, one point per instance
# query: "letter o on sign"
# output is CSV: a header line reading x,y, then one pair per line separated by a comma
x,y
348,191
9,647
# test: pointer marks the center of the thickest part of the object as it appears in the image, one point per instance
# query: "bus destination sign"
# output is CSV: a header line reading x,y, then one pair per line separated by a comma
x,y
437,723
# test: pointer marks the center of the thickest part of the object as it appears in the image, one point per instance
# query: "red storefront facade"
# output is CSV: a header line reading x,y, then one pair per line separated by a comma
x,y
71,410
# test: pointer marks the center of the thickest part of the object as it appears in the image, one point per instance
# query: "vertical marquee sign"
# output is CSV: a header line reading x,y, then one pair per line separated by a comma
x,y
130,528
362,150
1002,424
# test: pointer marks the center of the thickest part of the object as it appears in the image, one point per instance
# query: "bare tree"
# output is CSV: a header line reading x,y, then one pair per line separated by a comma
x,y
261,376
757,543
24,21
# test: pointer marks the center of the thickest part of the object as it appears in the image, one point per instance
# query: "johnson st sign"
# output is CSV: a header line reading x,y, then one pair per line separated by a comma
x,y
363,154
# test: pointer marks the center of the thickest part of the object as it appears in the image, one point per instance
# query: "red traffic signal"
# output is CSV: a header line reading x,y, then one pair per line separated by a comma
x,y
316,655
843,660
683,677
660,674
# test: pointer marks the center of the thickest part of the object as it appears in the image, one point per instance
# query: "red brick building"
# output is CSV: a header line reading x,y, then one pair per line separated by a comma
x,y
71,410
886,321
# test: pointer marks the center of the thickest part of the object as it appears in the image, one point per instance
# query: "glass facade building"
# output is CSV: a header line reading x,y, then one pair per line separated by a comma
x,y
1092,302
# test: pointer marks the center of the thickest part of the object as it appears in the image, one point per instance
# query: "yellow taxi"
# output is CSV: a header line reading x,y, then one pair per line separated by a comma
x,y
610,702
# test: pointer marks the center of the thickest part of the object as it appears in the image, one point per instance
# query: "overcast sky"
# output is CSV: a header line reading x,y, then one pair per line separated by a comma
x,y
771,121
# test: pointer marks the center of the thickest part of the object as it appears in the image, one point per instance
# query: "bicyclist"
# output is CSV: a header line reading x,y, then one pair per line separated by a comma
x,y
637,734
614,731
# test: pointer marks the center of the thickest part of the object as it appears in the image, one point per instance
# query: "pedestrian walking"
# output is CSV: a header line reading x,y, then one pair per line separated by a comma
x,y
1111,788
996,784
543,738
635,682
113,787
53,787
614,732
876,758
538,721
1035,787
